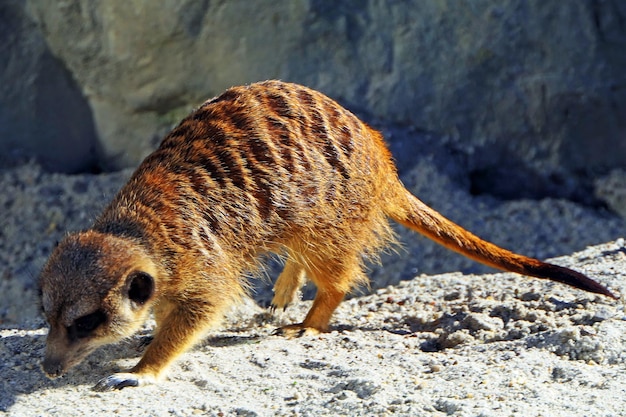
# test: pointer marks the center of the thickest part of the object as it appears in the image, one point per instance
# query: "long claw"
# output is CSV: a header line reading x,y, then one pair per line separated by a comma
x,y
295,330
117,382
274,307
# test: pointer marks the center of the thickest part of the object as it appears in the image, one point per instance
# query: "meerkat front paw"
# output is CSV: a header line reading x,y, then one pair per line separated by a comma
x,y
287,286
121,380
282,299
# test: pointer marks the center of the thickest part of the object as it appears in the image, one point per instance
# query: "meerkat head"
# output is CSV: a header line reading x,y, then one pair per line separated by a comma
x,y
95,289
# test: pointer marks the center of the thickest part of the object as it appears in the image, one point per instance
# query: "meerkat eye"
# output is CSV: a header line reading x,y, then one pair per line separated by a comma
x,y
83,326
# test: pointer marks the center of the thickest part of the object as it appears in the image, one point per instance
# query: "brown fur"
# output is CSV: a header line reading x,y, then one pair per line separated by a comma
x,y
270,167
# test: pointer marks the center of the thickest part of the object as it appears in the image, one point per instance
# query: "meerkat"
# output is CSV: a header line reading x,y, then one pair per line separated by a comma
x,y
269,167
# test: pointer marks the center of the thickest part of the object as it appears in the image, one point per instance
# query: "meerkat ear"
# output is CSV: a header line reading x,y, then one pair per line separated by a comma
x,y
140,287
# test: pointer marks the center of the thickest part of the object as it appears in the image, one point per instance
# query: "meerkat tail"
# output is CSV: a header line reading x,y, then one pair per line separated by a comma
x,y
414,214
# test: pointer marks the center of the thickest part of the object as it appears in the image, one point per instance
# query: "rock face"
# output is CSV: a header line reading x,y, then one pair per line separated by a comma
x,y
43,111
531,92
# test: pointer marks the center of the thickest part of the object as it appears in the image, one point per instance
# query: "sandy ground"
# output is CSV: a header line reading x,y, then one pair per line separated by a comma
x,y
453,344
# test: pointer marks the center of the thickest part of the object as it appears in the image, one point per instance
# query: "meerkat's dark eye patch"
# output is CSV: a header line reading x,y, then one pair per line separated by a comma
x,y
83,326
140,287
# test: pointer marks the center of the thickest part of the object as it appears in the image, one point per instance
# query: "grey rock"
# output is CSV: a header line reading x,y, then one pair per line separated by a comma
x,y
43,111
530,92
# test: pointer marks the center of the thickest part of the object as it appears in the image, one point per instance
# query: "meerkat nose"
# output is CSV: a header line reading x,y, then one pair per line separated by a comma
x,y
52,367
